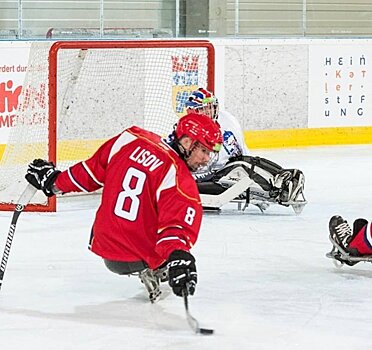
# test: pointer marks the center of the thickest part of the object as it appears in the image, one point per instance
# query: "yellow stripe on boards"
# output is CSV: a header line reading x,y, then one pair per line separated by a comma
x,y
307,137
68,150
75,150
2,148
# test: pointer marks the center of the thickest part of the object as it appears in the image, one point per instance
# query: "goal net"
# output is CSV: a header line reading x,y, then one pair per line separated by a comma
x,y
78,94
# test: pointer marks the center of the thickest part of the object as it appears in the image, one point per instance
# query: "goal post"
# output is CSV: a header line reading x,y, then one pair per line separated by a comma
x,y
77,94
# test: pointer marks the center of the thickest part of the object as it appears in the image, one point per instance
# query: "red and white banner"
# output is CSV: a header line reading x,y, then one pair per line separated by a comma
x,y
13,66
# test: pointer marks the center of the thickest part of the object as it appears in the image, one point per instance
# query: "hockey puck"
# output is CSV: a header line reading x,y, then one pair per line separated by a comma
x,y
206,331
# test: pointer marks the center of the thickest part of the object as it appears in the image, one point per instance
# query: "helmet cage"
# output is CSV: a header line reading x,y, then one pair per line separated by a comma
x,y
213,155
209,109
204,102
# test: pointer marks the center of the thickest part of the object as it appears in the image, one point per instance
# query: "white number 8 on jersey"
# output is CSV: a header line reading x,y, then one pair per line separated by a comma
x,y
131,193
190,215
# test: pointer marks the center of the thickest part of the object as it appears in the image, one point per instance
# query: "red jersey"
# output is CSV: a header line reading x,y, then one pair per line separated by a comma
x,y
362,240
150,203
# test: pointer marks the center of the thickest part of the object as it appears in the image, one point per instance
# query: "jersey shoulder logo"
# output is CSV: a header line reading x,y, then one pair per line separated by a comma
x,y
231,144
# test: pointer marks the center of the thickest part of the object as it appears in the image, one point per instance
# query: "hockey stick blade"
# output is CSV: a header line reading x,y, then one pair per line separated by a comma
x,y
217,201
24,199
192,321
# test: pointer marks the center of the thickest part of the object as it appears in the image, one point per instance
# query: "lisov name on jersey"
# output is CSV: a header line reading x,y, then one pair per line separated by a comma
x,y
146,158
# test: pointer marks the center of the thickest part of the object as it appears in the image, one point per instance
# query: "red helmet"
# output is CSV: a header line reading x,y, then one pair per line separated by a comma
x,y
202,129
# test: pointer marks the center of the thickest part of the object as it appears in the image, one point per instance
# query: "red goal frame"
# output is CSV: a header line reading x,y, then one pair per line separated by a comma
x,y
51,205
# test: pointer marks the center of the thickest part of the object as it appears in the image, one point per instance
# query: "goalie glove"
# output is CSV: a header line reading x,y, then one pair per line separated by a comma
x,y
182,272
42,174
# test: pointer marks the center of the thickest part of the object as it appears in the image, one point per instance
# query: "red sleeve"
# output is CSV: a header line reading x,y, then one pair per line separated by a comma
x,y
89,175
180,213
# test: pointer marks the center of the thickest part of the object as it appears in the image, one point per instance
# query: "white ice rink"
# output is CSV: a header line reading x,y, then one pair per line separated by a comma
x,y
264,280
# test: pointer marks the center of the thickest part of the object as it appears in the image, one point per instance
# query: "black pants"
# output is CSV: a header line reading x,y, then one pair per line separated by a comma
x,y
121,267
125,267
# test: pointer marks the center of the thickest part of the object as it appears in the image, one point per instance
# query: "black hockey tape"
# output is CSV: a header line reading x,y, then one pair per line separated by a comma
x,y
206,331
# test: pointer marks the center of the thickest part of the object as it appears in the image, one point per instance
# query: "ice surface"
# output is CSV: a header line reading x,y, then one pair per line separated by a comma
x,y
264,280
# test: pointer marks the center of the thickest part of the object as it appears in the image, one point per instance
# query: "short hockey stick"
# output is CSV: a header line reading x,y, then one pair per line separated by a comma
x,y
24,199
217,201
193,323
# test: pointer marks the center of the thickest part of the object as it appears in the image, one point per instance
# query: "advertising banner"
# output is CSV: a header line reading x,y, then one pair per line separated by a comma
x,y
340,88
13,66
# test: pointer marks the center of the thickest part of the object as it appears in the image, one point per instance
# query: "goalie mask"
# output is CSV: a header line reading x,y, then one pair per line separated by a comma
x,y
202,101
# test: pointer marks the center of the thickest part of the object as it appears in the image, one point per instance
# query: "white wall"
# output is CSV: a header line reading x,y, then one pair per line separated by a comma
x,y
295,83
267,84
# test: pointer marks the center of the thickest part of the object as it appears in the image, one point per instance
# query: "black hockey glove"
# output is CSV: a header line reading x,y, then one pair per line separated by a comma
x,y
42,174
182,272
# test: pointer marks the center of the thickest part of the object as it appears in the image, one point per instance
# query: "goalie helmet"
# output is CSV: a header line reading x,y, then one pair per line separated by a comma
x,y
200,128
204,102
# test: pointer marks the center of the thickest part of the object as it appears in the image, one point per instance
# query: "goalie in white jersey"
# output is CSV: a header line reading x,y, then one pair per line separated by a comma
x,y
237,176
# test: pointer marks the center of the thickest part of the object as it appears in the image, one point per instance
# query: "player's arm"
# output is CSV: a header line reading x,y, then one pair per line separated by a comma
x,y
88,175
174,242
85,176
179,222
180,216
